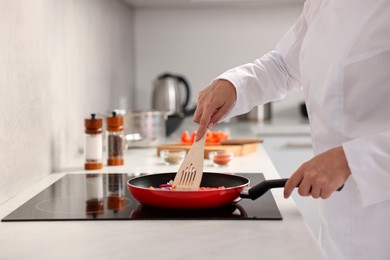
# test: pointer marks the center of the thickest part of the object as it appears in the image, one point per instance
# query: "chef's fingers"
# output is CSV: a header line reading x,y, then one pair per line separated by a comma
x,y
292,182
225,107
219,114
198,113
326,192
205,120
316,191
202,117
322,187
203,125
305,186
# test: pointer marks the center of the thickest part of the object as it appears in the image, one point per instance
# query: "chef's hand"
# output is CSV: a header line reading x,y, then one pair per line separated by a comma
x,y
213,103
320,176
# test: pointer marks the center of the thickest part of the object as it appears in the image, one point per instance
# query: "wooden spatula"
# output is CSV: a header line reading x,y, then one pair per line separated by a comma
x,y
191,170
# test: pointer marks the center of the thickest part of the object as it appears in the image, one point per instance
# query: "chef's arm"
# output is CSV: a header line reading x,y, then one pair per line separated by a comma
x,y
265,80
369,160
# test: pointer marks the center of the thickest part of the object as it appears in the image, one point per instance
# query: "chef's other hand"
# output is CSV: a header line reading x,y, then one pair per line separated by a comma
x,y
213,103
320,176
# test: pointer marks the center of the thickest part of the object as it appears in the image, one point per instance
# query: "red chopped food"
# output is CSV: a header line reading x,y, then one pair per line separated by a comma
x,y
211,137
185,137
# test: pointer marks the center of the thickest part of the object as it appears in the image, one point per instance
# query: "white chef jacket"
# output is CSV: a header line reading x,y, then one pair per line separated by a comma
x,y
338,52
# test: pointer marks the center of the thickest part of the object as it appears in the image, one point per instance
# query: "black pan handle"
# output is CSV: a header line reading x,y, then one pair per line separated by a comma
x,y
258,190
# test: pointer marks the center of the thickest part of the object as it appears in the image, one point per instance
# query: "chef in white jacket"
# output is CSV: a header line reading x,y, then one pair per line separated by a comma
x,y
338,52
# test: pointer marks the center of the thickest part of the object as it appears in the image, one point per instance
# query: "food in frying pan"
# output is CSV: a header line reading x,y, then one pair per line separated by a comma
x,y
169,186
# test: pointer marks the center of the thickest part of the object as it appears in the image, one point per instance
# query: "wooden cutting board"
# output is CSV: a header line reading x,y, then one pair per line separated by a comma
x,y
239,146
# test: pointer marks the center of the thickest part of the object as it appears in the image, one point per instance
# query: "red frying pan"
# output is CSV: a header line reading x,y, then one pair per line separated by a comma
x,y
233,189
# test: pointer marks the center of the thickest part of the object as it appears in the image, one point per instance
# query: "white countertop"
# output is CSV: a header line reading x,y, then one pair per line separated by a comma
x,y
201,239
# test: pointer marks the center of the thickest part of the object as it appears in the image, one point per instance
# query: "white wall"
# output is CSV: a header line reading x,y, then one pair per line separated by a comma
x,y
201,43
59,61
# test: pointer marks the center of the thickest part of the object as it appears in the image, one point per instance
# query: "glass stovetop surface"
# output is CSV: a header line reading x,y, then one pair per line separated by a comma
x,y
104,196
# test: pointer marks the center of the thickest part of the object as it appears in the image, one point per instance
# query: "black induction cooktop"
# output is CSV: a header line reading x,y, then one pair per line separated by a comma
x,y
104,196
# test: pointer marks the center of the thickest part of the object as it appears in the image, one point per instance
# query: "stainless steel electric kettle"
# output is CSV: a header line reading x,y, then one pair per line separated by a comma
x,y
167,95
172,94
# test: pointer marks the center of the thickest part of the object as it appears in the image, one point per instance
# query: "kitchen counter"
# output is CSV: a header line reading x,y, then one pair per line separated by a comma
x,y
202,239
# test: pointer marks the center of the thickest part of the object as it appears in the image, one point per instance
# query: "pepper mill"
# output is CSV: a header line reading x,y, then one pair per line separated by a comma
x,y
93,143
116,139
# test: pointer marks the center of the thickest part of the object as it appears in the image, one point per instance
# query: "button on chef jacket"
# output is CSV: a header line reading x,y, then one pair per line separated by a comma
x,y
338,53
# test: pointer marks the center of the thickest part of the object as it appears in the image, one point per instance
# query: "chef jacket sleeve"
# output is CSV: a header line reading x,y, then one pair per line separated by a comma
x,y
270,77
369,161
